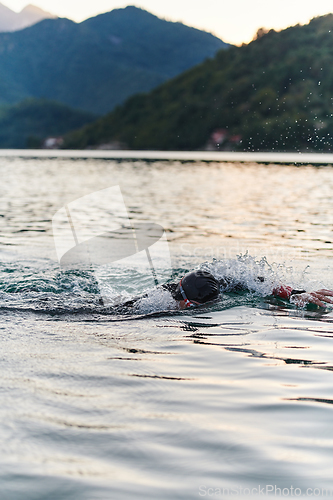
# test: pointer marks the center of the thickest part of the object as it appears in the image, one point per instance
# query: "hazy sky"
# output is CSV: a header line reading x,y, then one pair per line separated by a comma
x,y
234,21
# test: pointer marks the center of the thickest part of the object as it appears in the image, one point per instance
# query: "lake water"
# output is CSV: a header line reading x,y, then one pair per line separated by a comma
x,y
231,400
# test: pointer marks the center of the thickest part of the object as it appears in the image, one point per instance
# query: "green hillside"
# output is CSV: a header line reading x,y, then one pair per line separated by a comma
x,y
276,93
99,63
28,123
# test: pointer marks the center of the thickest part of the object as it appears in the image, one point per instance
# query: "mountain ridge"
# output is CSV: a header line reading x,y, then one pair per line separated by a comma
x,y
29,15
97,64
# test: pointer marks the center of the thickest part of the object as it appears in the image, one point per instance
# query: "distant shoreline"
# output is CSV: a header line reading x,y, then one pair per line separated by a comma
x,y
207,156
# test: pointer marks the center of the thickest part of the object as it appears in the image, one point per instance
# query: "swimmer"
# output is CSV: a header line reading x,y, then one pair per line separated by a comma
x,y
200,287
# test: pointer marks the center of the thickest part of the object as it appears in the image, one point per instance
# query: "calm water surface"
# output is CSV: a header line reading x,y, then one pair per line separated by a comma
x,y
170,405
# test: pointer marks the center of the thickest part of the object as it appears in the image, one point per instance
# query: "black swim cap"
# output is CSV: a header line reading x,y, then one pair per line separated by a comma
x,y
199,286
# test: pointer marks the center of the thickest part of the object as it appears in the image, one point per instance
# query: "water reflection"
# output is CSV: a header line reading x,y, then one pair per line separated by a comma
x,y
241,338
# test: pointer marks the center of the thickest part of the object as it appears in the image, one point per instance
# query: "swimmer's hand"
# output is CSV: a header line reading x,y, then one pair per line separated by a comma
x,y
319,298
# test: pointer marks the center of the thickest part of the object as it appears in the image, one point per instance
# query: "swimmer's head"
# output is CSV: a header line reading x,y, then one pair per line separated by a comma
x,y
197,287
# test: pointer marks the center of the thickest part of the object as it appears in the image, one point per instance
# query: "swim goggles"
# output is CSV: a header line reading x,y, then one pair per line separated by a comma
x,y
188,303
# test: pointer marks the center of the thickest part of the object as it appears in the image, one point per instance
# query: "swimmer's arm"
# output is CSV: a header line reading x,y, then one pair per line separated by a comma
x,y
298,297
318,298
301,298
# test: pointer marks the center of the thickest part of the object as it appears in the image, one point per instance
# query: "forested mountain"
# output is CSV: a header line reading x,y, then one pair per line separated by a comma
x,y
27,124
97,64
275,93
